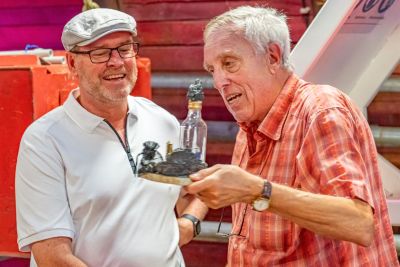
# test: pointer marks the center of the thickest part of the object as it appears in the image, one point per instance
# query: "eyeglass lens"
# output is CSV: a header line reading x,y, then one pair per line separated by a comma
x,y
103,54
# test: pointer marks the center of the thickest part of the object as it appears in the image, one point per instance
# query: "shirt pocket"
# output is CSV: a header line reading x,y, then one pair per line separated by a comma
x,y
272,233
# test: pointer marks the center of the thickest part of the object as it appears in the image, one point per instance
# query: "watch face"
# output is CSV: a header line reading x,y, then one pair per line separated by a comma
x,y
198,228
261,204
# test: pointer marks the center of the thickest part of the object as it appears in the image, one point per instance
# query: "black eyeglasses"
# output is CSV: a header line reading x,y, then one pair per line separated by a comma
x,y
102,55
239,233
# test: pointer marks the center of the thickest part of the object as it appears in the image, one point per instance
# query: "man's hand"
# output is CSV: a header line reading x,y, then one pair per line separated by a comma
x,y
223,185
185,231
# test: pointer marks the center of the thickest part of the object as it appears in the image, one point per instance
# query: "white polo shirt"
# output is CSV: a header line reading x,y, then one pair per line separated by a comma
x,y
74,179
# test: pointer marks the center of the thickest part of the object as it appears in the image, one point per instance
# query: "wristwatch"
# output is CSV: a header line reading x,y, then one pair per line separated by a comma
x,y
262,202
196,224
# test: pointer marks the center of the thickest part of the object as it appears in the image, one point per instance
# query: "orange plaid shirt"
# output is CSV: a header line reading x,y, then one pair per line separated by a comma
x,y
314,139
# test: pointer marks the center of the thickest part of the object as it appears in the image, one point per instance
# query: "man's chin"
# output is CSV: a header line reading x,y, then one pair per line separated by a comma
x,y
238,117
118,97
115,96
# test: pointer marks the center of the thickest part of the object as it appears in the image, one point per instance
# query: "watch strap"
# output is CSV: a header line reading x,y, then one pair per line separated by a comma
x,y
267,190
196,223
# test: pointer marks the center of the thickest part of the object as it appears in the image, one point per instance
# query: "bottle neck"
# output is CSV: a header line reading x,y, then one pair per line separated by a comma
x,y
194,105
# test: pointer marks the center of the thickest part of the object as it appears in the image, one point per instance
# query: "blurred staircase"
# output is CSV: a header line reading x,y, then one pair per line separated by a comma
x,y
384,111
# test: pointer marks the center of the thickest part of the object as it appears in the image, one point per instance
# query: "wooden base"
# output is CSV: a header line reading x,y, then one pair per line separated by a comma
x,y
166,179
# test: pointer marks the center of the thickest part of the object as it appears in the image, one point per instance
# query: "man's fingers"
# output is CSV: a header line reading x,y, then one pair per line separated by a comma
x,y
204,172
197,187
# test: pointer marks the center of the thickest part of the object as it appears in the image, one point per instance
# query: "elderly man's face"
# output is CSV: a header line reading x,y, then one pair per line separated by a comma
x,y
242,77
111,81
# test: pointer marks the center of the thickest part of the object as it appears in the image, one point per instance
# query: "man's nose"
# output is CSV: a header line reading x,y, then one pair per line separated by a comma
x,y
220,79
115,59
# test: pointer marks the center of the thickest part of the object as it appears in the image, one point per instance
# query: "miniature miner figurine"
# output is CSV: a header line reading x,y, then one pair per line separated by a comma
x,y
150,157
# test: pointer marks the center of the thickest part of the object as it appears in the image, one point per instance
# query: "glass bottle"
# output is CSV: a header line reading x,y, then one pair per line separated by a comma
x,y
193,130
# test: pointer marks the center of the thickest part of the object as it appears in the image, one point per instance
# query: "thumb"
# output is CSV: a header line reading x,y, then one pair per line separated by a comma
x,y
200,175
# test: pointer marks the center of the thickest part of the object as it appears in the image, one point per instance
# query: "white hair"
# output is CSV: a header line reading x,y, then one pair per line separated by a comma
x,y
258,25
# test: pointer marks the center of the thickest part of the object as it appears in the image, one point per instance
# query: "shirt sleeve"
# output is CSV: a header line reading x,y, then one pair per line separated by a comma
x,y
330,160
41,198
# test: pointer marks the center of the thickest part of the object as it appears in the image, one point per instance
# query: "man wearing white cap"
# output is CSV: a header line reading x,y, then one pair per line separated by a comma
x,y
79,202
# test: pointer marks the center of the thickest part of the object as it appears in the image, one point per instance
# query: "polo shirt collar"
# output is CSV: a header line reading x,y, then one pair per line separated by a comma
x,y
272,125
83,118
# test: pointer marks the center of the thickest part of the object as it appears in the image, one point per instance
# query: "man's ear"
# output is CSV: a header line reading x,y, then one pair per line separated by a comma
x,y
274,57
71,63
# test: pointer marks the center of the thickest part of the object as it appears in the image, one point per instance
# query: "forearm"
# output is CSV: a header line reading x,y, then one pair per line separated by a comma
x,y
334,217
55,252
62,261
196,208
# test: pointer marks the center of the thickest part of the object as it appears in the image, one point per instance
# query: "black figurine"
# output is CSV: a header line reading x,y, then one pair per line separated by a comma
x,y
195,91
150,157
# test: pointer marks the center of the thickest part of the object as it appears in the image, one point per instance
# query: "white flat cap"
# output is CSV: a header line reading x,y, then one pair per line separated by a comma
x,y
90,25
